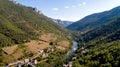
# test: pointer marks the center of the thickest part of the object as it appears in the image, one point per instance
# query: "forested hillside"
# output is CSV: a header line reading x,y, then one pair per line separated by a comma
x,y
101,55
94,20
106,33
19,24
103,44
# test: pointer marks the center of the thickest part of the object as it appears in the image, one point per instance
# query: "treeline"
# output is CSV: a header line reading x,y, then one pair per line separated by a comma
x,y
104,55
105,33
103,44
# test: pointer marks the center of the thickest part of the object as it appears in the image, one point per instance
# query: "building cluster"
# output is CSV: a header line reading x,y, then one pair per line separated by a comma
x,y
33,61
21,63
69,64
43,53
84,51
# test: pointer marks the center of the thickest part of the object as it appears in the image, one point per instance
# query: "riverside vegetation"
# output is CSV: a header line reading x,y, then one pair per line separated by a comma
x,y
103,43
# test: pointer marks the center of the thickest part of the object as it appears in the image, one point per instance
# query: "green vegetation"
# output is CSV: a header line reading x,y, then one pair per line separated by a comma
x,y
95,20
106,33
103,44
55,59
20,24
102,55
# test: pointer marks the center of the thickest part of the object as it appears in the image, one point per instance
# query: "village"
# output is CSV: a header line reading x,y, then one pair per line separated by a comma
x,y
31,62
43,53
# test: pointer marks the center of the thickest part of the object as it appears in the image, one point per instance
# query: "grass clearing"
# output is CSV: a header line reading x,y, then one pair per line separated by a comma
x,y
34,46
64,43
60,47
9,50
48,37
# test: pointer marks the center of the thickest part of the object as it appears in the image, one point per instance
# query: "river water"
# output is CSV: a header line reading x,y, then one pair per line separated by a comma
x,y
74,48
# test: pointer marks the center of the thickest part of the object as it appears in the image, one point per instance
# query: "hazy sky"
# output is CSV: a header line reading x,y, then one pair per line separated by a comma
x,y
72,10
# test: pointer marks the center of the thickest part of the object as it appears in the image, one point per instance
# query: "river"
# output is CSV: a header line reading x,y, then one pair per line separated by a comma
x,y
73,49
70,53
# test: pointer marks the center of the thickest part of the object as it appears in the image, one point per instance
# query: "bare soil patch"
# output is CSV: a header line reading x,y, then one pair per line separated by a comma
x,y
9,50
34,46
18,54
60,47
48,37
64,43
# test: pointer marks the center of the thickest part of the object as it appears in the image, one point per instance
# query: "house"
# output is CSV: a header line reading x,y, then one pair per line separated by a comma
x,y
64,65
35,62
85,51
70,64
82,48
44,55
52,49
74,58
40,52
26,60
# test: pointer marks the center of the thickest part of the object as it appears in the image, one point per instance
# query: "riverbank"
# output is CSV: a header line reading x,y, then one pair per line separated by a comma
x,y
69,57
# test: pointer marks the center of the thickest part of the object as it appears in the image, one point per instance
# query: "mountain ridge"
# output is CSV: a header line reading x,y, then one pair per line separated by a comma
x,y
95,20
64,23
102,44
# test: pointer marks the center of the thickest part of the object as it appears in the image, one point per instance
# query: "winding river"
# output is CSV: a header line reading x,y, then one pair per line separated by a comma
x,y
73,49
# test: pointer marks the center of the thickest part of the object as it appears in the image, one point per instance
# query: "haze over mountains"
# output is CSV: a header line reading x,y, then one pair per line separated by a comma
x,y
63,23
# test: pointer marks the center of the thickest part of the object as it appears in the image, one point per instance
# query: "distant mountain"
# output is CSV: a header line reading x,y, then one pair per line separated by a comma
x,y
102,42
62,23
95,20
105,33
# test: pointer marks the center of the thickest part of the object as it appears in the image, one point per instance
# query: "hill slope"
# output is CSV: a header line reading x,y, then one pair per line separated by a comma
x,y
105,33
95,20
24,32
19,24
102,44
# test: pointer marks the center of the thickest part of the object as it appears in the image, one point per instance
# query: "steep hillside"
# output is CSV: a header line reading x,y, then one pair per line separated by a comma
x,y
25,31
105,33
95,20
102,47
20,24
102,55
